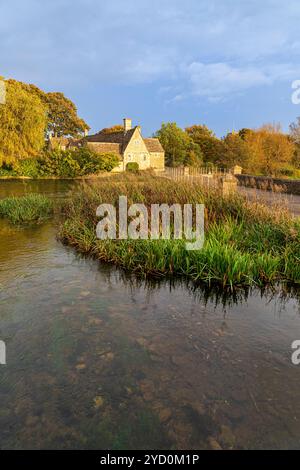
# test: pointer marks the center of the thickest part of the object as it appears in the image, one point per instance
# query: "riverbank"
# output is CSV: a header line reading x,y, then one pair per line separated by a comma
x,y
246,243
56,178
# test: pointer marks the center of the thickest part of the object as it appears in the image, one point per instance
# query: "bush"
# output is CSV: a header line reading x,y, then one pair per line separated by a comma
x,y
108,161
58,163
288,171
132,166
7,170
90,162
27,167
78,162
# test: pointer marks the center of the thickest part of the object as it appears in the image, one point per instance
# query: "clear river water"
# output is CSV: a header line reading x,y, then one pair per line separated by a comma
x,y
97,359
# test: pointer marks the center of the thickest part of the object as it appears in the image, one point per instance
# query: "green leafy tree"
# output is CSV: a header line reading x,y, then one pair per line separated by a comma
x,y
179,147
23,122
78,162
211,147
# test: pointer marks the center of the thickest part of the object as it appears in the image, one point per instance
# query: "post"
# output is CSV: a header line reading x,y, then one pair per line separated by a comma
x,y
228,184
237,170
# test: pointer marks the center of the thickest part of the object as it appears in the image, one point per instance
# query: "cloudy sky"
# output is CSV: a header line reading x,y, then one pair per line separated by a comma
x,y
226,63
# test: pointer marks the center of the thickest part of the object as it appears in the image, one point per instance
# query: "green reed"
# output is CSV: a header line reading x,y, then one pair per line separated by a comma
x,y
246,243
31,208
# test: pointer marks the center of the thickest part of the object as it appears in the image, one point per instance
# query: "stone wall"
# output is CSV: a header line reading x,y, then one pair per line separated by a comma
x,y
157,160
136,151
270,184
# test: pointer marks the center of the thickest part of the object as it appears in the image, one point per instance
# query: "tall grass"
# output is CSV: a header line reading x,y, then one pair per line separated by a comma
x,y
32,208
246,242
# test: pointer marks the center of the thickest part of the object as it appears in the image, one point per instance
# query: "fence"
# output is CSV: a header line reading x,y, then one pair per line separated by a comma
x,y
206,176
203,174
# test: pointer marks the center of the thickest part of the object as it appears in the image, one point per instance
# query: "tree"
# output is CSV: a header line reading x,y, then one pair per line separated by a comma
x,y
179,147
295,136
23,123
62,116
211,147
236,151
193,157
244,132
111,130
295,130
270,150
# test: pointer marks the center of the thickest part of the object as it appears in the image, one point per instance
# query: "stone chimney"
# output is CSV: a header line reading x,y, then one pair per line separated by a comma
x,y
127,124
86,132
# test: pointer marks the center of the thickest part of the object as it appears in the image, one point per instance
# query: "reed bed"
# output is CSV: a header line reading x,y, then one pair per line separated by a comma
x,y
246,243
28,209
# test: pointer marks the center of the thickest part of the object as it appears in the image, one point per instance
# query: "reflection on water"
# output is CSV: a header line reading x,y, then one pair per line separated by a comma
x,y
96,359
54,188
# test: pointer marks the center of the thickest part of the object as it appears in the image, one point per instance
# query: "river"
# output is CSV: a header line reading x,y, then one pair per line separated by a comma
x,y
100,360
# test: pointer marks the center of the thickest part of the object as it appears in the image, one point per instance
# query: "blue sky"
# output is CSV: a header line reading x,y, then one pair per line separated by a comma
x,y
226,63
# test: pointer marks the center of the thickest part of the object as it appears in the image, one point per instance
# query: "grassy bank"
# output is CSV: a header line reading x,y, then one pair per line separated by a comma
x,y
32,208
246,243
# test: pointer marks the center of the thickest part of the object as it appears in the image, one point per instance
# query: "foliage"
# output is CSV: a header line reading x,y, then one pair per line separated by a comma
x,y
266,150
59,163
111,130
246,242
179,147
62,163
62,116
28,115
211,147
6,169
270,150
28,167
23,122
132,166
236,151
32,208
78,162
295,130
108,161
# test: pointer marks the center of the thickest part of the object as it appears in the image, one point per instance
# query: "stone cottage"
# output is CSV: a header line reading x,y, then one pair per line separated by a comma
x,y
130,146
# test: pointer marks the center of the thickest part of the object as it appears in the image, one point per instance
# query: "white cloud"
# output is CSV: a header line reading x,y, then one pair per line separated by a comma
x,y
219,80
227,46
